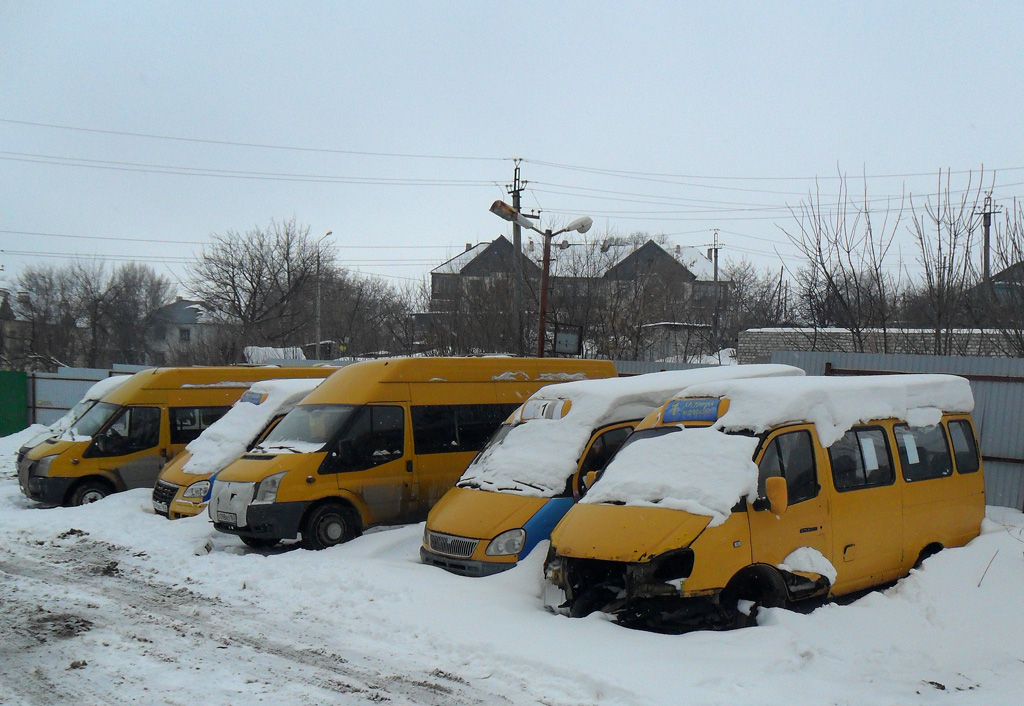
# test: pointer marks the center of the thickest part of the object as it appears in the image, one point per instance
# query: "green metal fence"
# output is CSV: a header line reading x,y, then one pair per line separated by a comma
x,y
13,401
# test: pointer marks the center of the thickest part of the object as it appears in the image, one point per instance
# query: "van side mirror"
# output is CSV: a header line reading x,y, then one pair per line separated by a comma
x,y
589,479
778,494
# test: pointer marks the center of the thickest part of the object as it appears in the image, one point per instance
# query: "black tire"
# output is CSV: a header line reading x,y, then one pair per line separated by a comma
x,y
763,590
259,542
89,491
593,599
328,525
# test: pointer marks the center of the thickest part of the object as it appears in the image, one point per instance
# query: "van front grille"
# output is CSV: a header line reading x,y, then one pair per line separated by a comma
x,y
449,545
164,492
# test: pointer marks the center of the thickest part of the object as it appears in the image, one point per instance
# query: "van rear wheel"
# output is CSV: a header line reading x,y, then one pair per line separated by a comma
x,y
327,526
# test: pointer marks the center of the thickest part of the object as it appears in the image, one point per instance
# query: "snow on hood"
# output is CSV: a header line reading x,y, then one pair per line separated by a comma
x,y
228,438
698,470
538,456
835,404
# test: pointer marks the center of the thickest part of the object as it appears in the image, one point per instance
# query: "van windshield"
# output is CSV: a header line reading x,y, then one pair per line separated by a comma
x,y
306,429
91,422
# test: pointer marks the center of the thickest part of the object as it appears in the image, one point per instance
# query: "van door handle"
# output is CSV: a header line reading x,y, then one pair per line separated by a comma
x,y
408,466
805,530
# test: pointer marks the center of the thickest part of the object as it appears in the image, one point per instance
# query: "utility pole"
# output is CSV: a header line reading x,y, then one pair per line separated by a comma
x,y
515,189
319,244
718,292
986,224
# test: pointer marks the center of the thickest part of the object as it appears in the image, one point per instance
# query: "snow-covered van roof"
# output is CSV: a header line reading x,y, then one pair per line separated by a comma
x,y
229,437
835,404
542,451
706,472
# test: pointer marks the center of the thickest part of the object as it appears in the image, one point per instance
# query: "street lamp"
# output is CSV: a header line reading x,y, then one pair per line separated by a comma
x,y
580,225
318,244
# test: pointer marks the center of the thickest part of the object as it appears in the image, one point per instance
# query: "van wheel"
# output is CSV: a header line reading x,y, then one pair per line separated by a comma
x,y
327,526
89,491
593,599
929,551
259,542
751,593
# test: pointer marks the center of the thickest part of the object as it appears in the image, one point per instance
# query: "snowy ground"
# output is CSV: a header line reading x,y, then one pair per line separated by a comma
x,y
111,604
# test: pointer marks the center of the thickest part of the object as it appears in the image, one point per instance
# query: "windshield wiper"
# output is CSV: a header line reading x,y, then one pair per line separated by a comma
x,y
277,446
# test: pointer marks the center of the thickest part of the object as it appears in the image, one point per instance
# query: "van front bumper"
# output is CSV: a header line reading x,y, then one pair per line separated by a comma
x,y
48,491
464,567
272,521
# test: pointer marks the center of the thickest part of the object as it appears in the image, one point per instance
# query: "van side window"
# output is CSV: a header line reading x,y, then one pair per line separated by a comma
x,y
791,456
861,460
189,422
924,452
440,429
965,449
375,437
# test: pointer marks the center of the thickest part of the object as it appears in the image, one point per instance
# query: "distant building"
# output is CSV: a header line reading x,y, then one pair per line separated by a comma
x,y
183,332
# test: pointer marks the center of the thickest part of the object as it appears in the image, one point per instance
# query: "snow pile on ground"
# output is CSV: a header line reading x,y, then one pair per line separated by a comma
x,y
110,604
835,404
228,438
539,455
699,470
260,355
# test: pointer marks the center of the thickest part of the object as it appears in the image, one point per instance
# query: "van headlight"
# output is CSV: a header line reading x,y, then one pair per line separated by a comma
x,y
42,466
266,489
509,542
199,489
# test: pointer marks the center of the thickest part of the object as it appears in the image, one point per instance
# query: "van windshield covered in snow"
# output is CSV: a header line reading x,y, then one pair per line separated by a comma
x,y
93,420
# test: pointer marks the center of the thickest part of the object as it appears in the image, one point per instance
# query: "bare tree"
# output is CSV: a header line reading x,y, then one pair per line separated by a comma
x,y
848,280
945,230
260,278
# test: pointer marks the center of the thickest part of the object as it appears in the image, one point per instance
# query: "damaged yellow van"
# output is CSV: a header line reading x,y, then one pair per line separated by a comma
x,y
379,442
125,438
183,486
761,493
534,468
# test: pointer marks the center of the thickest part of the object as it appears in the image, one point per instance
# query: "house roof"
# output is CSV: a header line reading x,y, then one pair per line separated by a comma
x,y
566,257
183,311
457,263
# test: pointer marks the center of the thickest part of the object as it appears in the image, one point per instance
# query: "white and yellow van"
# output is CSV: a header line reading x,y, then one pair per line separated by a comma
x,y
183,486
531,472
378,443
748,493
124,439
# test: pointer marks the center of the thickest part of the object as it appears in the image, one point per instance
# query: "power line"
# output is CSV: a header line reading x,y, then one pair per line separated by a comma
x,y
212,242
323,150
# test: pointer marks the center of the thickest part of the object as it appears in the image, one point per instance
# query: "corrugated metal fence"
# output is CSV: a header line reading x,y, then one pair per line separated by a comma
x,y
998,385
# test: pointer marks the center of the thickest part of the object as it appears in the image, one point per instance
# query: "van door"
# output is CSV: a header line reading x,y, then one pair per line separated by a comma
x,y
792,453
370,461
867,510
128,447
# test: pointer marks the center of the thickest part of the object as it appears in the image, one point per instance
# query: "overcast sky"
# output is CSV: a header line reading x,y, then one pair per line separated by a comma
x,y
135,130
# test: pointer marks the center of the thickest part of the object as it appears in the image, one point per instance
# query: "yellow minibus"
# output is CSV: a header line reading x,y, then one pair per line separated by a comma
x,y
183,487
379,442
535,467
124,439
762,493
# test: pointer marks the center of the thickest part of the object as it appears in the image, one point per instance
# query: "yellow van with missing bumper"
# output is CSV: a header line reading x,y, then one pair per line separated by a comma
x,y
533,470
124,439
758,493
379,442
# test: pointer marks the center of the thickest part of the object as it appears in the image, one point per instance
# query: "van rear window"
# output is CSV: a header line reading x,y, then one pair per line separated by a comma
x,y
965,450
924,453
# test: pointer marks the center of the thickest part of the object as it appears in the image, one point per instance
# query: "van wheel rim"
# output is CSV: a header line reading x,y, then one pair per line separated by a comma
x,y
332,530
92,496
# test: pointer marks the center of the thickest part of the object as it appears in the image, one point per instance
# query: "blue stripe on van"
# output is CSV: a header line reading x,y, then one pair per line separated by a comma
x,y
538,528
